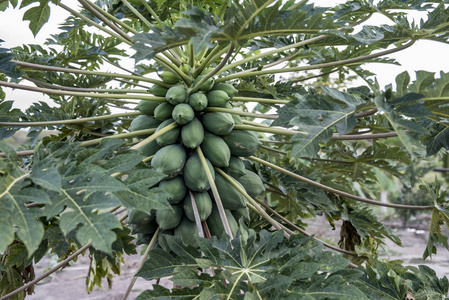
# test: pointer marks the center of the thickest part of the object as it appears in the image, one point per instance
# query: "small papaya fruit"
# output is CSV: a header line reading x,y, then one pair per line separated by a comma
x,y
230,195
252,183
216,225
198,101
236,167
241,213
226,87
242,143
217,98
187,231
205,86
143,122
171,136
163,111
158,91
149,149
216,150
136,216
192,134
218,123
195,177
176,94
169,77
147,107
203,204
170,159
146,228
183,113
175,188
169,218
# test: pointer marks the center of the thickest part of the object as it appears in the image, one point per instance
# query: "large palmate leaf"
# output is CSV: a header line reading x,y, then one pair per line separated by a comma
x,y
265,264
318,116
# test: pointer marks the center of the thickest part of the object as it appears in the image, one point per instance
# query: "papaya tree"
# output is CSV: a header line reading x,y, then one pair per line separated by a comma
x,y
217,144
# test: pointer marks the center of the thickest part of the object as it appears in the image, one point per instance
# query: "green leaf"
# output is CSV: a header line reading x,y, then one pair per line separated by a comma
x,y
6,230
37,16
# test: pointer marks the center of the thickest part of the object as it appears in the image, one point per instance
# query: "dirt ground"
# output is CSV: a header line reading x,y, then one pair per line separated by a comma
x,y
69,284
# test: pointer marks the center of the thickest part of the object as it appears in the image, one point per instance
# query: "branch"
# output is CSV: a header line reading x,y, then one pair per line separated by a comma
x,y
242,113
260,100
349,137
269,130
335,191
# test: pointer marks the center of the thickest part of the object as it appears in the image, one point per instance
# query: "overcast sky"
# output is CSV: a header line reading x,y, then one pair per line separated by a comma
x,y
423,55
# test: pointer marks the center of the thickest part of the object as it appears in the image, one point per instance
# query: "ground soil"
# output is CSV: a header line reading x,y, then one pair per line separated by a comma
x,y
69,284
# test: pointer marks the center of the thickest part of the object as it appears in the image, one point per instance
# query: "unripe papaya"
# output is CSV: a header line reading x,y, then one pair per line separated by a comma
x,y
215,224
185,68
136,216
175,188
242,143
169,218
203,204
169,77
216,150
241,213
147,107
226,87
217,98
195,177
230,195
170,160
171,136
163,111
252,183
237,118
176,94
158,91
236,167
187,231
218,123
143,122
198,101
192,134
149,149
205,86
146,228
183,113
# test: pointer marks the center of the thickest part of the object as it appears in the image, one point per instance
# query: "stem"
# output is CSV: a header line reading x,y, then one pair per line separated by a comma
x,y
153,14
155,136
119,136
364,136
79,94
174,68
253,15
215,193
120,67
335,191
48,273
111,17
313,76
275,142
242,113
95,73
269,130
98,26
273,150
105,20
216,69
138,14
260,100
316,66
246,122
199,227
142,262
70,121
216,51
366,113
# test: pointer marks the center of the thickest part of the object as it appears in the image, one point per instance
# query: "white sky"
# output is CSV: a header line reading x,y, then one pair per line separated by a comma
x,y
423,55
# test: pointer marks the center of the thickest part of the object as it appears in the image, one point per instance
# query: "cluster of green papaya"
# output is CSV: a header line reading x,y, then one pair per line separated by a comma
x,y
174,154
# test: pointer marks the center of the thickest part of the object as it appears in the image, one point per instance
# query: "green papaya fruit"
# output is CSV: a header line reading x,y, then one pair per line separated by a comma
x,y
171,136
236,167
195,177
146,228
226,87
136,216
147,107
198,101
163,111
169,218
176,94
241,213
187,231
162,239
183,113
169,77
203,204
237,118
158,91
149,149
215,224
205,86
192,134
242,143
252,183
170,160
175,188
218,123
143,122
143,238
229,195
185,68
216,150
217,98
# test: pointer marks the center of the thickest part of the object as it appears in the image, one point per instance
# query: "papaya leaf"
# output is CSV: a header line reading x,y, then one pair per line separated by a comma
x,y
8,114
437,138
37,15
8,67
